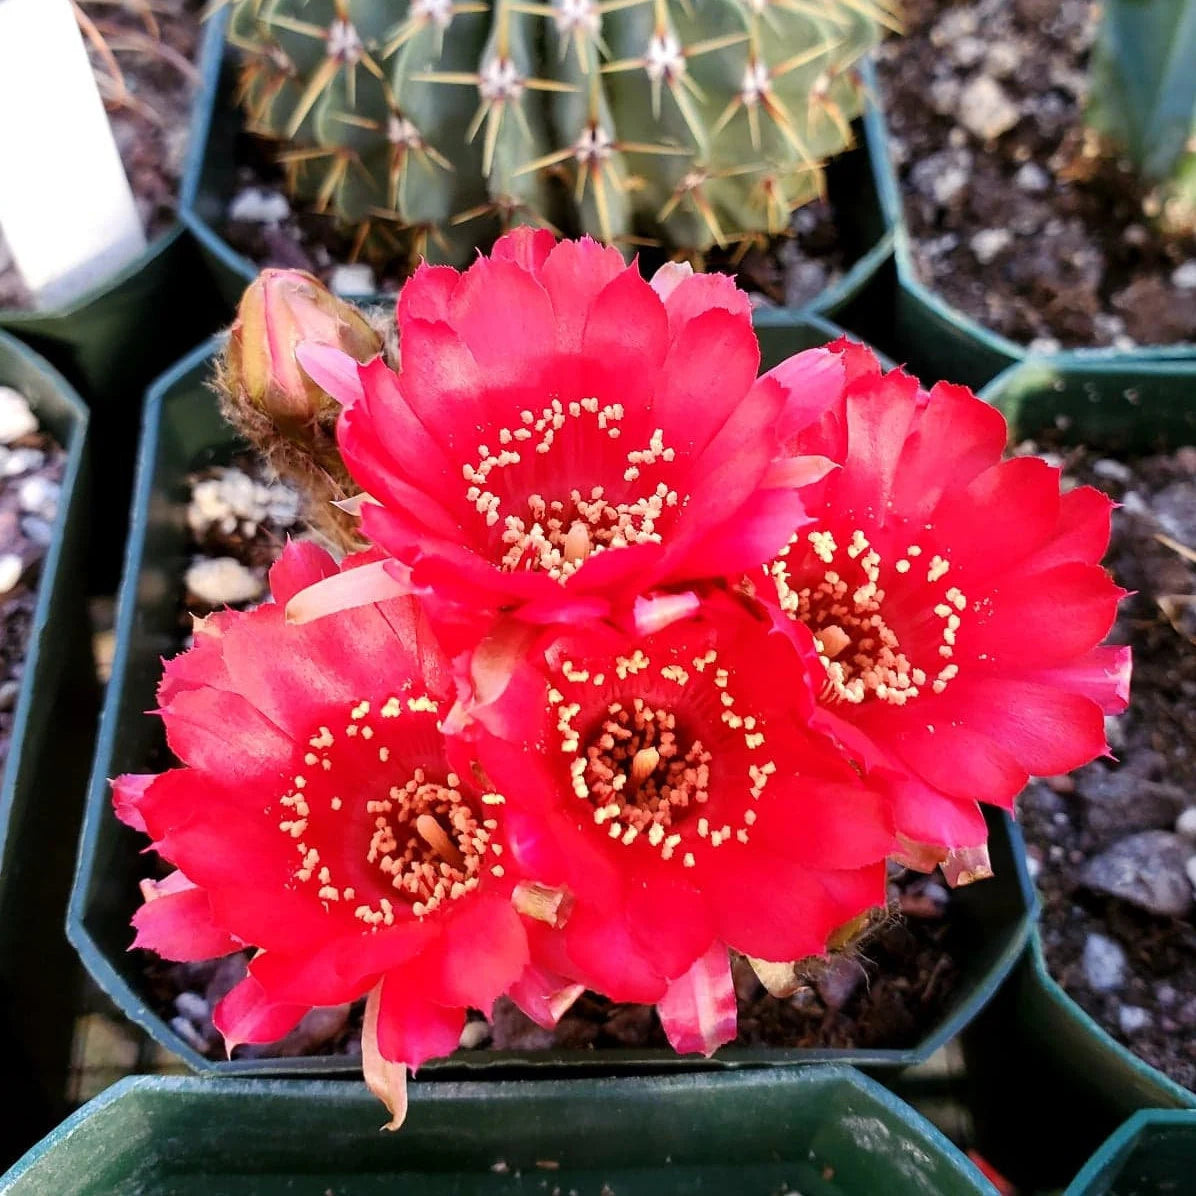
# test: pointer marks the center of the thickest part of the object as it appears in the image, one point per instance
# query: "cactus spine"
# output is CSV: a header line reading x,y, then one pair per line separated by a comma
x,y
431,124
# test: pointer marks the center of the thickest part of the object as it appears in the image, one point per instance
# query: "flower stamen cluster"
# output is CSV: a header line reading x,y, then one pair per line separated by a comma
x,y
859,649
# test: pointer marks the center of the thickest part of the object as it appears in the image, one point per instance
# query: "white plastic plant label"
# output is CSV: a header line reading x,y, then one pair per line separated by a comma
x,y
65,204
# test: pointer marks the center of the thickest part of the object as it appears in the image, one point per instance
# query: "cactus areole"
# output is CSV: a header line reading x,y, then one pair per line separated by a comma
x,y
427,127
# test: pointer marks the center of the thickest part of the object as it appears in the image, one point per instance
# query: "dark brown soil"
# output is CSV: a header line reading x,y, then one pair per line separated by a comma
x,y
31,469
1137,977
147,78
887,993
790,271
1016,215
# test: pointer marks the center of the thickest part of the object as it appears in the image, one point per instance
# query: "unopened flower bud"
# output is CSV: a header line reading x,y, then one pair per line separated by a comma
x,y
270,399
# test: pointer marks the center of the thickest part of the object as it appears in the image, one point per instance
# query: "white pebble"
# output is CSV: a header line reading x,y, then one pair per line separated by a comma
x,y
986,110
221,579
188,1033
1185,824
1104,963
1184,276
1031,177
193,1007
987,243
949,184
256,205
14,462
39,496
1106,467
16,416
352,280
1132,1018
473,1034
1190,869
10,571
1044,344
38,529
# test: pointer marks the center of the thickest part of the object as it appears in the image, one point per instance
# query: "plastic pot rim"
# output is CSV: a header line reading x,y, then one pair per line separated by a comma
x,y
889,190
48,578
134,1007
422,1095
15,319
828,301
1121,1140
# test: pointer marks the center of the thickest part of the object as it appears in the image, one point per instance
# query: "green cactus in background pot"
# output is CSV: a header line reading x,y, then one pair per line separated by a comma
x,y
1143,96
428,126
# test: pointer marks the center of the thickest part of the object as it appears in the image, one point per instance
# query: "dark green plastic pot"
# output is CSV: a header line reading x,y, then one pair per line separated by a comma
x,y
44,779
183,431
211,177
1153,1154
935,339
821,1131
1048,1082
113,341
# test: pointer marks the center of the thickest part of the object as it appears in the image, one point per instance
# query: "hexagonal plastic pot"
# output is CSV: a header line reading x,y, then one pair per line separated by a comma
x,y
822,1131
936,339
1049,1083
211,171
1152,1154
43,782
183,431
112,341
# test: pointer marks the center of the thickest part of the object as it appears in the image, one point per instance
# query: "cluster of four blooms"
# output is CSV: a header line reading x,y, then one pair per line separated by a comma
x,y
652,658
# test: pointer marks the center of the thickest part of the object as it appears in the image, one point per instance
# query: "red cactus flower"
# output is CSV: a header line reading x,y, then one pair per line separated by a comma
x,y
553,405
955,600
671,787
317,817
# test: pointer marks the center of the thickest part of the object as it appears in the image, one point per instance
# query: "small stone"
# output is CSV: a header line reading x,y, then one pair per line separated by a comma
x,y
1032,178
39,496
838,980
950,184
1148,870
985,109
966,51
189,1034
257,205
473,1034
352,280
1104,963
944,95
1042,345
1190,869
20,460
193,1007
1185,824
989,242
39,530
222,579
1002,59
1184,277
1106,467
11,569
16,416
1132,1018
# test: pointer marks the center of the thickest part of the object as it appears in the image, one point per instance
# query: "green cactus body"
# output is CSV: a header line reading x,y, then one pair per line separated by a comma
x,y
1143,94
432,124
